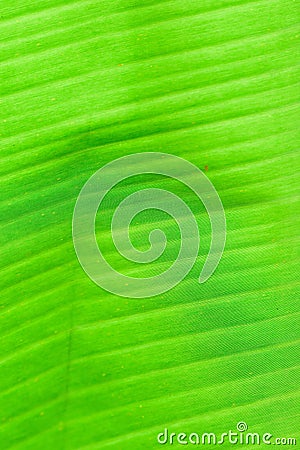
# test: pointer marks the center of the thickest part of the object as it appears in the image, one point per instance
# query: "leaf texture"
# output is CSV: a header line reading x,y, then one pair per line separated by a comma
x,y
82,83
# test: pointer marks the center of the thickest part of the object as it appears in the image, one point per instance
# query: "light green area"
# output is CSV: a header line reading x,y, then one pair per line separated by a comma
x,y
85,82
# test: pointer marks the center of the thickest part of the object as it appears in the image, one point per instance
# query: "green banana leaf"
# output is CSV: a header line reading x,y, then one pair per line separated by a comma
x,y
84,82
